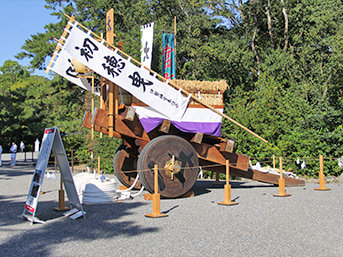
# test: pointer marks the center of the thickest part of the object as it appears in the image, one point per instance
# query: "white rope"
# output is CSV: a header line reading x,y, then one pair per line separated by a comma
x,y
139,192
132,186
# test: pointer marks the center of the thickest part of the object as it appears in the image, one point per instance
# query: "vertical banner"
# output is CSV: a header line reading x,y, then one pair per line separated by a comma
x,y
147,44
168,56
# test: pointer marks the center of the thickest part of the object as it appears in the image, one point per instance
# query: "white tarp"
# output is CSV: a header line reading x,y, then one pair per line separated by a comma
x,y
147,44
63,67
136,80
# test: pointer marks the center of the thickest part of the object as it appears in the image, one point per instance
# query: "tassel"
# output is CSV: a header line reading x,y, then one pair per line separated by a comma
x,y
201,173
303,165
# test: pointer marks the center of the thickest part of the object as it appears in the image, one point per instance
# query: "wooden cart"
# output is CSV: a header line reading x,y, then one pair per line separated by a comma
x,y
178,154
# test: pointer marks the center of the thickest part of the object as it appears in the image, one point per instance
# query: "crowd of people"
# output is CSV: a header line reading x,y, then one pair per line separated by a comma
x,y
13,150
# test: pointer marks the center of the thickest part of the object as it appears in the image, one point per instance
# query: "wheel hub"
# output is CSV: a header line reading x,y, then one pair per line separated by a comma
x,y
172,167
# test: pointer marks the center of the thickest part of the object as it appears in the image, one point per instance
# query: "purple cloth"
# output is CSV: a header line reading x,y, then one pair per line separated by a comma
x,y
208,128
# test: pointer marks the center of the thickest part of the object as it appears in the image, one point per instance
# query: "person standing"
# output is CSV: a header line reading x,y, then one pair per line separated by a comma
x,y
0,155
13,153
37,145
22,146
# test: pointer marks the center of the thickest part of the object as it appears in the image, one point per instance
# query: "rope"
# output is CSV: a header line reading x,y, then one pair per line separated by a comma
x,y
132,186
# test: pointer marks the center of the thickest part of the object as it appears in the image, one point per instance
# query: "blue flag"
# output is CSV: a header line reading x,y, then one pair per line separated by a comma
x,y
168,56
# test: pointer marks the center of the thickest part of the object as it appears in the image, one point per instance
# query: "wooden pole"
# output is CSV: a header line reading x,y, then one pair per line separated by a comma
x,y
60,42
92,130
110,109
112,93
282,191
217,182
175,43
178,88
61,194
273,161
321,175
156,213
227,188
98,165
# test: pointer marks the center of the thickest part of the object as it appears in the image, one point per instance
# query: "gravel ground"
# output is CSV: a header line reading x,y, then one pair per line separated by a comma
x,y
308,223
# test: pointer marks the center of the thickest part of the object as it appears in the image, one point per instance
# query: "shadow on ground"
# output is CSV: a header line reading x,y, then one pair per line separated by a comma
x,y
103,221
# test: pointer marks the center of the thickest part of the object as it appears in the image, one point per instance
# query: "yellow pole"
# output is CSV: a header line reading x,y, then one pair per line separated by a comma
x,y
273,161
175,43
156,213
321,175
227,188
92,131
282,191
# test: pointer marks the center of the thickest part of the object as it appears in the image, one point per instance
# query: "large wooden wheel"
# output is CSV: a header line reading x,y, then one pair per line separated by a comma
x,y
178,165
123,162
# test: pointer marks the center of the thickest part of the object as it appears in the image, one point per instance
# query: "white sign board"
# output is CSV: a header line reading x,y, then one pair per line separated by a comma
x,y
51,140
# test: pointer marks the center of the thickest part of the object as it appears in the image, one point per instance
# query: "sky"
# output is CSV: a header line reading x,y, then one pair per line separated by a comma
x,y
19,19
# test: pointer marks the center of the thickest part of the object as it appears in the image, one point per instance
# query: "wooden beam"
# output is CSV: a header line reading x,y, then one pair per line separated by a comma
x,y
129,114
197,138
165,126
227,146
211,153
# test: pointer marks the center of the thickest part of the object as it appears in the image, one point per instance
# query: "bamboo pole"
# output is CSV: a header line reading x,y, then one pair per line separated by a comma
x,y
176,87
60,41
321,175
282,184
175,43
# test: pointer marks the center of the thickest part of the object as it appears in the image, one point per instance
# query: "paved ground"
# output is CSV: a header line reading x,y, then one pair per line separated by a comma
x,y
309,223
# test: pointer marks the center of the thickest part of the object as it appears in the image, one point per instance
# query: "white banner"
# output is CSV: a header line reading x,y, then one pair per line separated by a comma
x,y
147,44
63,67
136,80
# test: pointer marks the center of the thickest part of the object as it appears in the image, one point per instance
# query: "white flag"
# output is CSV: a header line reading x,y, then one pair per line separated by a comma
x,y
136,80
147,44
64,68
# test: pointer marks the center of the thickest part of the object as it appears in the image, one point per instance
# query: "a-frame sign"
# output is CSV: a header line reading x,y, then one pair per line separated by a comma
x,y
51,140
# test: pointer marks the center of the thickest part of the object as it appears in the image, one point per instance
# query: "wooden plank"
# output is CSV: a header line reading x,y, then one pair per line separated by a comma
x,y
252,174
165,126
197,138
86,122
227,146
129,114
211,153
274,179
100,118
132,129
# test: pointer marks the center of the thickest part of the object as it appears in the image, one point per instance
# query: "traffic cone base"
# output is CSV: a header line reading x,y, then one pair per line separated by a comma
x,y
282,192
227,196
323,189
156,208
